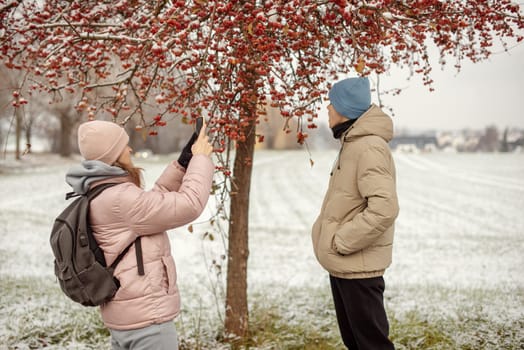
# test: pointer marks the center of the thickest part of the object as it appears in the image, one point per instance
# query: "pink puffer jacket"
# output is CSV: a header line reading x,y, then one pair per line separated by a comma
x,y
123,212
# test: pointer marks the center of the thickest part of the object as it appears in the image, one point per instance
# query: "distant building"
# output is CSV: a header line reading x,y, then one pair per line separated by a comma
x,y
414,143
516,145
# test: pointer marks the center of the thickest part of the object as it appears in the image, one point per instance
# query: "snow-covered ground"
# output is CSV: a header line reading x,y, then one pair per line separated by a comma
x,y
458,246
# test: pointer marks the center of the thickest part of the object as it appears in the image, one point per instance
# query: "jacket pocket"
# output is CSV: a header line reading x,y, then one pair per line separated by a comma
x,y
334,246
170,273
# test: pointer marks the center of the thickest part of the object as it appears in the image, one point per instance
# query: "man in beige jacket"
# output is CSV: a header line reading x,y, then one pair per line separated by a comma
x,y
353,235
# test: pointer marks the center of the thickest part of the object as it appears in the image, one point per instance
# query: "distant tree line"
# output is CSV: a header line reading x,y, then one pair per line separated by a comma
x,y
493,141
488,140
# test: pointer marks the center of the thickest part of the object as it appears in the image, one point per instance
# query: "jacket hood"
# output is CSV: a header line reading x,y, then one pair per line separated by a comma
x,y
81,176
373,122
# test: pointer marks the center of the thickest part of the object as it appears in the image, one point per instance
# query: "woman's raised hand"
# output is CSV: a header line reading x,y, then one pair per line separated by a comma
x,y
202,145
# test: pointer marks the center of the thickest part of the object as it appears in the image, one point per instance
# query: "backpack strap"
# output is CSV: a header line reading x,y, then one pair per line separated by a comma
x,y
91,194
70,195
95,191
121,255
139,259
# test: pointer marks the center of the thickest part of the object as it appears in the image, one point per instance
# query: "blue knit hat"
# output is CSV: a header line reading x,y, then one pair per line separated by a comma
x,y
351,97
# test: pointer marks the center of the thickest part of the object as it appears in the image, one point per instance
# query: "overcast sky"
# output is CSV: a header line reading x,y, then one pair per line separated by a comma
x,y
486,93
489,92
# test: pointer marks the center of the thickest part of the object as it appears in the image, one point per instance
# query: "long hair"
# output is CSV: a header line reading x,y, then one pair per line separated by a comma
x,y
135,174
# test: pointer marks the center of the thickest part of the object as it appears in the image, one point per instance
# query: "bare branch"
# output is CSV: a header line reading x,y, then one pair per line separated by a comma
x,y
8,6
74,24
89,36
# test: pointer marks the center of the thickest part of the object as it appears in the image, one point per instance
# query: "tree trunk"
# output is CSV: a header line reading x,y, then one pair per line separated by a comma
x,y
18,132
505,145
66,128
28,134
237,315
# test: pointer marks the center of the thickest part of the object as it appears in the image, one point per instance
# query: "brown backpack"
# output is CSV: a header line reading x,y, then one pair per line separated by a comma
x,y
80,266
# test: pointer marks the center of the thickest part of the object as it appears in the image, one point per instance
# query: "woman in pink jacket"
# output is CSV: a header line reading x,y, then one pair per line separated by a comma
x,y
140,316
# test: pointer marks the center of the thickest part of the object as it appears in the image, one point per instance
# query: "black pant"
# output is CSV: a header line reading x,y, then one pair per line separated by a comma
x,y
361,316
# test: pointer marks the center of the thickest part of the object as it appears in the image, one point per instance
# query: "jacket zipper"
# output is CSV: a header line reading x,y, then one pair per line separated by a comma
x,y
341,149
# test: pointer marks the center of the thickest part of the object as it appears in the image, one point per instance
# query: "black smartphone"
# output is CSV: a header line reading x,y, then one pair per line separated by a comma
x,y
199,123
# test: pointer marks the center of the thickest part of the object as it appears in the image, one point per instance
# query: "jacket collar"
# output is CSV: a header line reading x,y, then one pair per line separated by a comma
x,y
373,122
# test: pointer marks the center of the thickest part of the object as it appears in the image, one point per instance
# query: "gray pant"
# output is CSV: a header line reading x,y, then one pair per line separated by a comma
x,y
158,337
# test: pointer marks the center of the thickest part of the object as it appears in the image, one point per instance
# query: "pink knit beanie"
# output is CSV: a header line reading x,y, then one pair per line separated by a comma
x,y
100,140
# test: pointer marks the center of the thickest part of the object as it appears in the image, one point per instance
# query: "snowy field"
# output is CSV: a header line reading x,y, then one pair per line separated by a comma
x,y
458,253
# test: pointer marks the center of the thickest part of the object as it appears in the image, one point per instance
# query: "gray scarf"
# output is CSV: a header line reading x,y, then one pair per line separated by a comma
x,y
81,176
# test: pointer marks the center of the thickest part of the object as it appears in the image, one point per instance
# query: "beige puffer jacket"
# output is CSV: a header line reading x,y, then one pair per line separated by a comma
x,y
353,235
122,213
